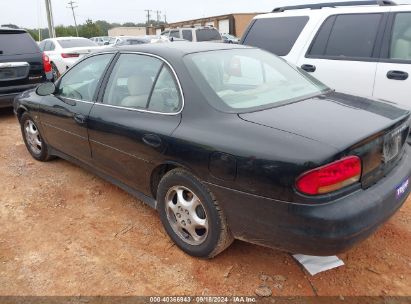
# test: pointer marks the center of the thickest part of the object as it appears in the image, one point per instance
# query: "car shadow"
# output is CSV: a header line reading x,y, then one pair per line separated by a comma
x,y
6,112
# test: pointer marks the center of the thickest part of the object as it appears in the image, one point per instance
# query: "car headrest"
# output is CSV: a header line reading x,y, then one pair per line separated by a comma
x,y
407,34
139,85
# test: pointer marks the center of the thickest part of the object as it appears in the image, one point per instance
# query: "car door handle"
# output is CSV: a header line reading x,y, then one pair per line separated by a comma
x,y
397,75
80,119
309,68
152,140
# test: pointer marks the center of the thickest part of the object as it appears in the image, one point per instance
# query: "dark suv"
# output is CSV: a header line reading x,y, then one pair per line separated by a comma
x,y
22,65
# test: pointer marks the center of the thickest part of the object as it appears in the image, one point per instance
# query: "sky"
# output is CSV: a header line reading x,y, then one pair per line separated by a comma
x,y
33,15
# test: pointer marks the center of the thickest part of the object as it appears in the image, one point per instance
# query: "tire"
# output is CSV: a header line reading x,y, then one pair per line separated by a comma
x,y
55,72
191,215
32,138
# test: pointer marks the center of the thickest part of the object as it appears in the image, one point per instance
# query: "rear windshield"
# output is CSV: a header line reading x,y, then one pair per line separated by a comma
x,y
244,80
133,41
207,35
17,44
276,35
71,43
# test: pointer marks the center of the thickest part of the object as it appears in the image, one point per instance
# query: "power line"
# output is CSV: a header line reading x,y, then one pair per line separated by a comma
x,y
158,16
148,16
72,7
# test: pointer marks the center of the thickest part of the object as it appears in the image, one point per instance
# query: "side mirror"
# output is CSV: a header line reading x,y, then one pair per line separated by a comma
x,y
46,89
106,43
172,39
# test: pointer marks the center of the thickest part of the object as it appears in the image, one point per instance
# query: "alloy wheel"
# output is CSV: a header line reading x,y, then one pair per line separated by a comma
x,y
33,136
186,215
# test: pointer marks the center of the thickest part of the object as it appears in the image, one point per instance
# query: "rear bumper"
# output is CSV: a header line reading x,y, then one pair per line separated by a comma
x,y
324,229
8,94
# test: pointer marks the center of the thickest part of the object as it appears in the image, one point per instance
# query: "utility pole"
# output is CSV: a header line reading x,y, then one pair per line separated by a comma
x,y
72,7
158,16
148,16
165,18
50,21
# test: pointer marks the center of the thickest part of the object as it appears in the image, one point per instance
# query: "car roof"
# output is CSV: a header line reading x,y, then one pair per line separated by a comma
x,y
335,10
9,30
171,49
67,38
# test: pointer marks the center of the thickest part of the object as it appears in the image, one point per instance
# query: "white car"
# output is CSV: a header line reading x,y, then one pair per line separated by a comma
x,y
195,34
361,48
103,40
65,51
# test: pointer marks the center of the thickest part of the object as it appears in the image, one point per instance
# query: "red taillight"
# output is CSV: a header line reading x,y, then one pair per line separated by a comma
x,y
330,177
69,55
46,63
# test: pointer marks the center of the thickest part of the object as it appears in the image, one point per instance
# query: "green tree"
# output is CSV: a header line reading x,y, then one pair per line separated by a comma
x,y
65,31
104,26
10,26
34,34
89,29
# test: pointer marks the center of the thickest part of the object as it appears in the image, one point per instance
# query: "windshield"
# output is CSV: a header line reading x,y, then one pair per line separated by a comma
x,y
71,43
240,80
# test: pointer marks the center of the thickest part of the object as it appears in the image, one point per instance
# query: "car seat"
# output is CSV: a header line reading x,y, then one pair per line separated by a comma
x,y
402,47
139,89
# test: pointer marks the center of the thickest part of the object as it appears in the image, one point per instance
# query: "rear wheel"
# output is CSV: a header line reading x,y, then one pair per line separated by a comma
x,y
33,139
191,216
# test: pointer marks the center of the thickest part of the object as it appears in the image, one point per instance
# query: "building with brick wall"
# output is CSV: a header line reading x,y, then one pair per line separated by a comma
x,y
234,24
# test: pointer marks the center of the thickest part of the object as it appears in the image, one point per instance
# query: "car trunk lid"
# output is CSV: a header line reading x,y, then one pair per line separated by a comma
x,y
373,130
81,51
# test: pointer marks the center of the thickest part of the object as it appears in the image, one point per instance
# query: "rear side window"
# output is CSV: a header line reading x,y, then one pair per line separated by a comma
x,y
351,36
188,35
207,35
17,43
142,82
401,37
276,35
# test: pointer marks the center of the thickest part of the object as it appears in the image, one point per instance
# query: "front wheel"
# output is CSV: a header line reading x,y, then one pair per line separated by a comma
x,y
191,216
33,139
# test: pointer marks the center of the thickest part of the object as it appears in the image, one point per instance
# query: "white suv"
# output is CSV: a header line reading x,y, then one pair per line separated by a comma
x,y
361,48
195,34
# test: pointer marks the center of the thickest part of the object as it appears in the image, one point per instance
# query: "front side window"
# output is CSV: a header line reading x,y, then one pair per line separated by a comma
x,y
175,34
81,81
401,37
42,45
242,80
347,36
51,47
276,35
142,82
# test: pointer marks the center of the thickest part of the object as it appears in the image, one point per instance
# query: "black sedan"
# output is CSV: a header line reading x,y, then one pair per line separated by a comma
x,y
227,142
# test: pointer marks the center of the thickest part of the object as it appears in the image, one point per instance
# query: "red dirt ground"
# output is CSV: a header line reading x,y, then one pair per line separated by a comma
x,y
65,231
